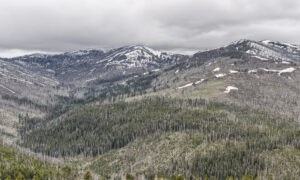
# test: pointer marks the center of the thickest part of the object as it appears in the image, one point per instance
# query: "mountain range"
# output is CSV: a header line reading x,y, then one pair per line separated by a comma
x,y
133,111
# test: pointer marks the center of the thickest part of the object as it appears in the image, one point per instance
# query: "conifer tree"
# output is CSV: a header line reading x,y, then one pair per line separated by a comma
x,y
87,176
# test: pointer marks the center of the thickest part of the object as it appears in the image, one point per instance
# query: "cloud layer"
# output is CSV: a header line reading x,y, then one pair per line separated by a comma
x,y
179,25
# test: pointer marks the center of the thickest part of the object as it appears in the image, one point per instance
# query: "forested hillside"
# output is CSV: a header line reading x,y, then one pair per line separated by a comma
x,y
17,165
236,138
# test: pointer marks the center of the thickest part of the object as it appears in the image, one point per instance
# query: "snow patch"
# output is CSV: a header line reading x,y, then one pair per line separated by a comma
x,y
230,88
190,84
198,82
155,70
261,58
185,86
287,70
220,75
54,81
266,42
252,71
92,70
89,80
50,70
233,71
216,70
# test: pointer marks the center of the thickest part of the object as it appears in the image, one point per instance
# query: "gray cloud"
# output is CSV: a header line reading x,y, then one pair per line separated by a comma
x,y
179,25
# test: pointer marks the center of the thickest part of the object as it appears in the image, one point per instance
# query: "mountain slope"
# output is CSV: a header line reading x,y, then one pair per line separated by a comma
x,y
86,64
23,91
229,111
263,50
33,84
232,74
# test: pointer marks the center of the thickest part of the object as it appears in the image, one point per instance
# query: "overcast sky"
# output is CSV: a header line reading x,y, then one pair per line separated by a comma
x,y
174,25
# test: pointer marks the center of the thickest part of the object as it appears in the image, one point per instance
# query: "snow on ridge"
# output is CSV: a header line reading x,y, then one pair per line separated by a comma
x,y
240,41
78,53
156,53
268,42
229,89
85,51
285,62
225,46
291,45
263,52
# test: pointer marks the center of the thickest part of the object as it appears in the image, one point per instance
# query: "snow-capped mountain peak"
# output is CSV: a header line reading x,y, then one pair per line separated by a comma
x,y
280,44
268,49
92,63
265,50
134,56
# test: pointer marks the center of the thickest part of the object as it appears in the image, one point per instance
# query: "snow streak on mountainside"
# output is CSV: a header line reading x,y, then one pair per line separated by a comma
x,y
274,52
269,50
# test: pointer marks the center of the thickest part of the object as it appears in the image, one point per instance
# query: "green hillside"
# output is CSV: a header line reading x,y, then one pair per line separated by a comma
x,y
17,165
216,140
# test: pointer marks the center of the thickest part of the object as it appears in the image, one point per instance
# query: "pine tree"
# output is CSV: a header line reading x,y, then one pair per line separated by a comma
x,y
35,177
206,178
87,176
20,177
247,177
129,176
180,177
